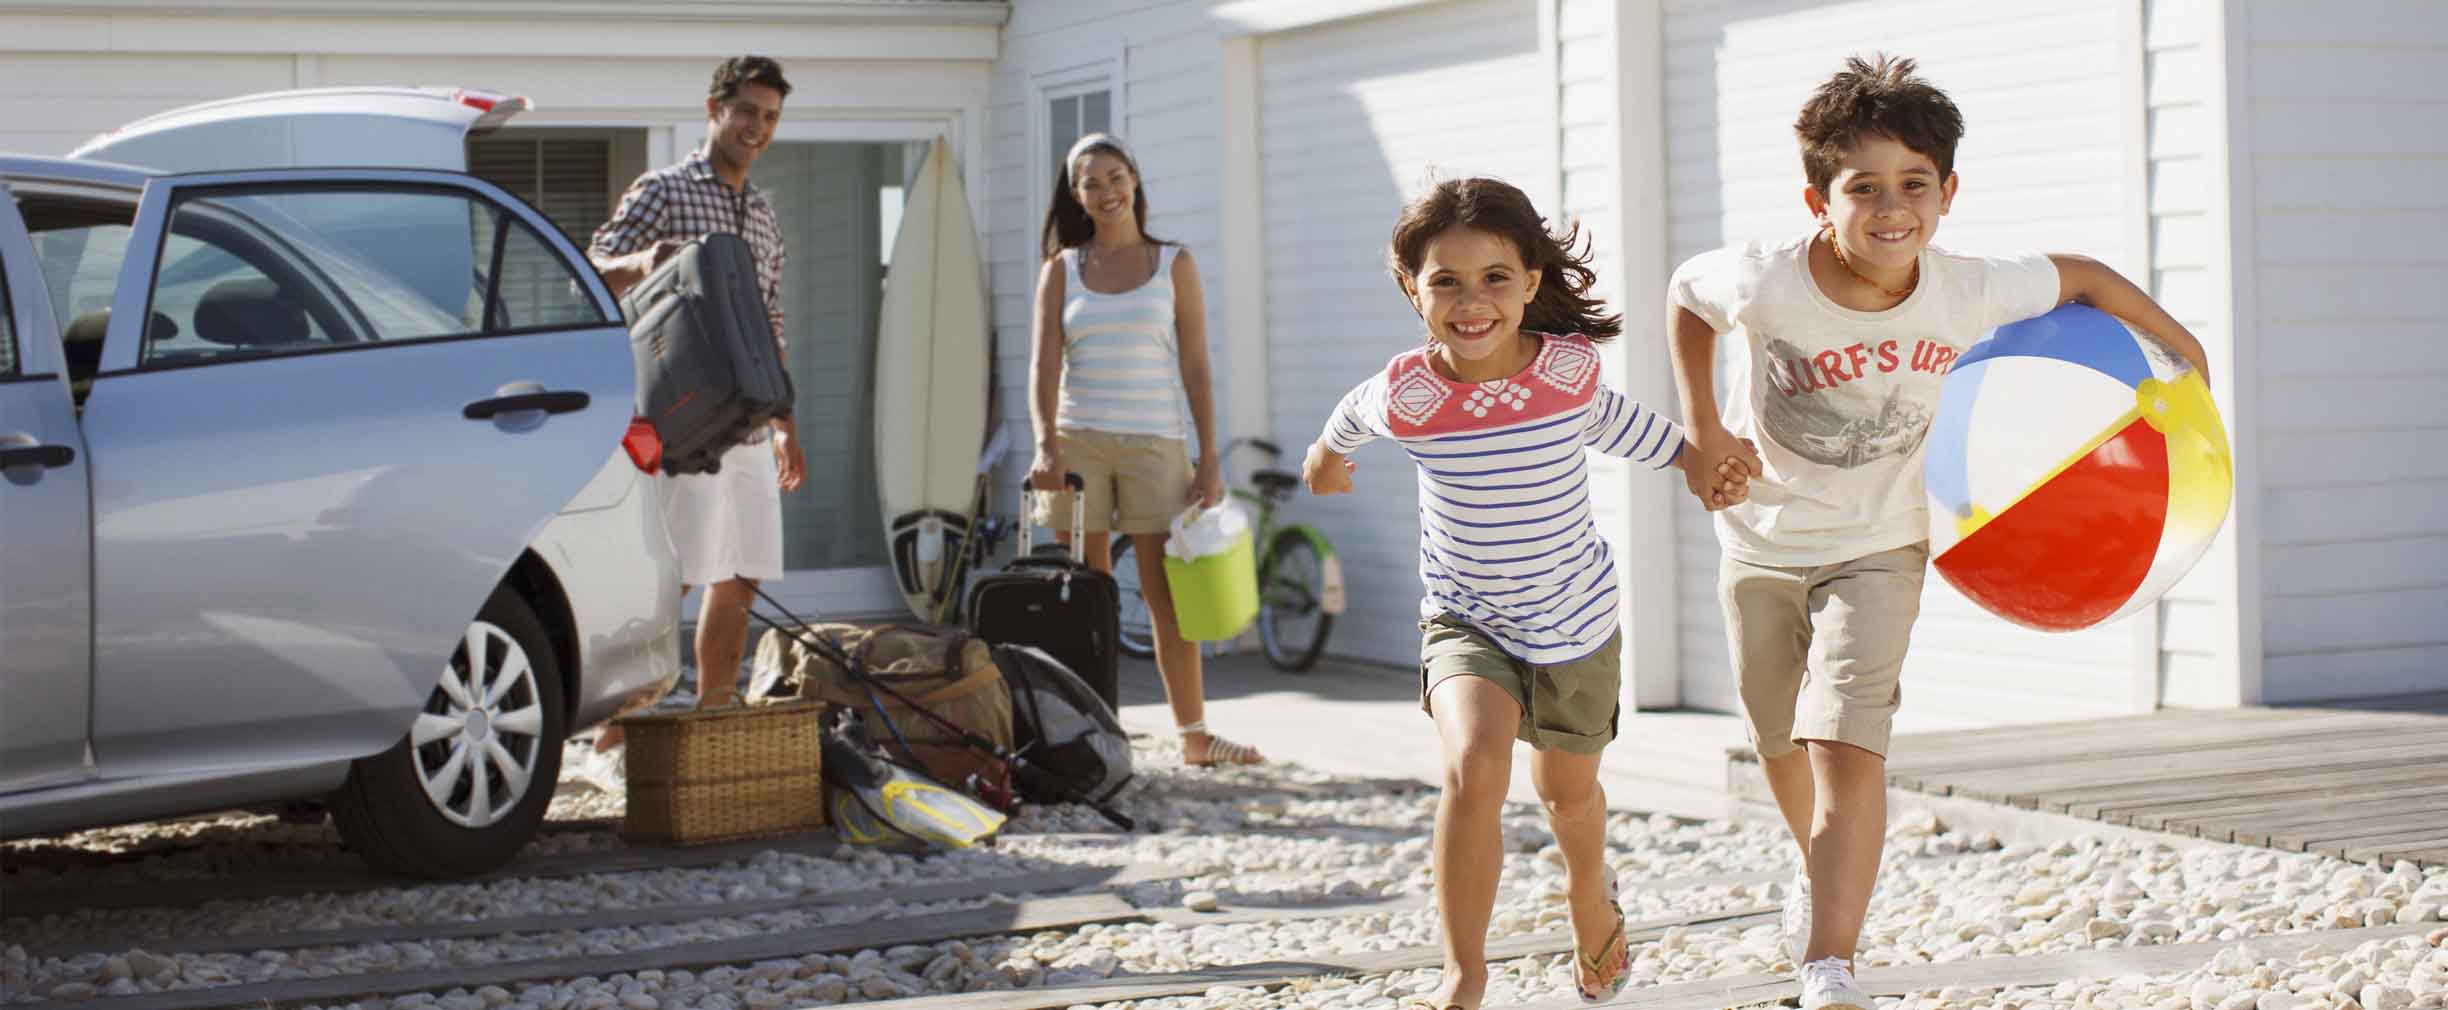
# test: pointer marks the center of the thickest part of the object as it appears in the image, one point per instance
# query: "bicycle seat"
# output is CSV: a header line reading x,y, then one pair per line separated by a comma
x,y
1273,482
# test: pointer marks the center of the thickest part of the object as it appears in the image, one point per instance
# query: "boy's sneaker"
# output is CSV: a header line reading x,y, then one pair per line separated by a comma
x,y
1827,984
1796,920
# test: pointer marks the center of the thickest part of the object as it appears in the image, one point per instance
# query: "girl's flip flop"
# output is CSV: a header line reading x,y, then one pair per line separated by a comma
x,y
1617,952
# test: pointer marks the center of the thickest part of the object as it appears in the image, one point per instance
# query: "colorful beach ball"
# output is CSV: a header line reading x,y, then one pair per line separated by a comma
x,y
2075,471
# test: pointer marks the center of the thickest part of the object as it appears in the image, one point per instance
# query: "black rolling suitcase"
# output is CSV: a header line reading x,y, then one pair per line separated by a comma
x,y
708,372
1058,604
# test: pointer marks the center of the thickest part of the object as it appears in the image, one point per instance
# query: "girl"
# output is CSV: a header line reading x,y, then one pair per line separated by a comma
x,y
1121,327
1518,629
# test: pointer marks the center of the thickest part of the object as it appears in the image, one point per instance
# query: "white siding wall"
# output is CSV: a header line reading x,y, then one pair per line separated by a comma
x,y
2041,91
2347,132
1168,111
1352,117
2197,655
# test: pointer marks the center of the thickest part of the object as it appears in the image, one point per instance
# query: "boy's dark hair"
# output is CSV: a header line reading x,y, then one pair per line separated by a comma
x,y
1562,305
1067,223
1885,99
744,70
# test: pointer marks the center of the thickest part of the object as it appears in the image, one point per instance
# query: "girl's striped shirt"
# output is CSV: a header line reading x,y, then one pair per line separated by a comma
x,y
1121,358
1506,539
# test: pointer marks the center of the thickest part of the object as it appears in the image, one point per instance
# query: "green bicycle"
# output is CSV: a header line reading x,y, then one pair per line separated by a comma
x,y
1300,582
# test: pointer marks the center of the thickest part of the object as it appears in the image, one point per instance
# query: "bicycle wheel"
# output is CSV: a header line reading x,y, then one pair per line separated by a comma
x,y
1138,634
1292,623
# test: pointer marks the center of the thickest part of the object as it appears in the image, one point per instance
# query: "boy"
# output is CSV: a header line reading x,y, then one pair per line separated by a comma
x,y
1850,329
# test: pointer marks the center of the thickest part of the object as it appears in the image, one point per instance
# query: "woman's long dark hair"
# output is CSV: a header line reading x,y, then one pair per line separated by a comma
x,y
1067,224
1562,305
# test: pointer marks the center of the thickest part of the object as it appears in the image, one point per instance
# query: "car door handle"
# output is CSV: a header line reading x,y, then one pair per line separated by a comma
x,y
49,457
555,402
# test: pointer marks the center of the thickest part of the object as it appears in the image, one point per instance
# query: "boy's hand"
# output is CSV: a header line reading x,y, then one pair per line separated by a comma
x,y
1326,471
1728,482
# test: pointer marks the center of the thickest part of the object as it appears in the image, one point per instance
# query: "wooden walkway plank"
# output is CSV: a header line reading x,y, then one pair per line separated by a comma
x,y
2433,856
2087,802
31,902
2245,797
2024,787
2345,811
2011,752
606,918
2429,833
1050,913
1986,973
2110,726
1275,973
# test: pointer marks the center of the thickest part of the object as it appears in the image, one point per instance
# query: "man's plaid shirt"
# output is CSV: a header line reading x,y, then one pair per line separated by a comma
x,y
688,200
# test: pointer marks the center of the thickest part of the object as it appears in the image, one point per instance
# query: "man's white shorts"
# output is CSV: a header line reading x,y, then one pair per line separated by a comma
x,y
727,525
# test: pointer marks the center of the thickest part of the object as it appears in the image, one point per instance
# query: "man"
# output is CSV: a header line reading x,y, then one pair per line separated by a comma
x,y
727,526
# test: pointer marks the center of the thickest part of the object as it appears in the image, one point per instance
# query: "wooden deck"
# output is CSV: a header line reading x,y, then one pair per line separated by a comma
x,y
2365,780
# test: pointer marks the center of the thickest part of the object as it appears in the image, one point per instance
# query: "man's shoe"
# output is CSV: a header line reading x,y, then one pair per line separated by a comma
x,y
1827,984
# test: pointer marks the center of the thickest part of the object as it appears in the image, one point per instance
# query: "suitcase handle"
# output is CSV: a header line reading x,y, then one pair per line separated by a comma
x,y
1079,519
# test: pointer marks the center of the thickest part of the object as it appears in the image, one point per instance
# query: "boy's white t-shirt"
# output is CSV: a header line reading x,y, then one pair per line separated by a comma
x,y
1840,401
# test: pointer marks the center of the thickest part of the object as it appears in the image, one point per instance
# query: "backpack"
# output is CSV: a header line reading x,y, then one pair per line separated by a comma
x,y
1074,747
945,670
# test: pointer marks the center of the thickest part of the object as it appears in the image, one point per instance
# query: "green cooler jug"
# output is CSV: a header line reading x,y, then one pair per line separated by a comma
x,y
1212,573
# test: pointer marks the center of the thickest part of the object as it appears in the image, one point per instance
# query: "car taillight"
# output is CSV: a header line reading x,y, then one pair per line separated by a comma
x,y
481,101
645,447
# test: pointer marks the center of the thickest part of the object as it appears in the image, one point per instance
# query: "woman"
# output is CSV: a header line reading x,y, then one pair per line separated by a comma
x,y
1120,330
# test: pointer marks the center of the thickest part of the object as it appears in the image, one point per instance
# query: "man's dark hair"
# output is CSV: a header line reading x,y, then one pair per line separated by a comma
x,y
1885,99
743,70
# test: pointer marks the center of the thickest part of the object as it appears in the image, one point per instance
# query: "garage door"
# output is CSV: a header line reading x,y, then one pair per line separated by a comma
x,y
1353,116
2041,169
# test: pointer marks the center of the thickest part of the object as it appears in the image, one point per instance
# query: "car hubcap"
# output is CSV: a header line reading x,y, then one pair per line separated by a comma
x,y
477,742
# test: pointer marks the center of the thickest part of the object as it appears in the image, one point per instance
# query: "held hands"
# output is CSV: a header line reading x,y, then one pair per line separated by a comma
x,y
1207,488
1326,471
1726,483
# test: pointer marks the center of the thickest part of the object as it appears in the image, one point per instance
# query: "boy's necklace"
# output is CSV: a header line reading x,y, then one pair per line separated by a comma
x,y
1837,251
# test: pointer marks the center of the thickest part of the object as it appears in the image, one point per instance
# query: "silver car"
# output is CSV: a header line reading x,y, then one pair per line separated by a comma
x,y
315,484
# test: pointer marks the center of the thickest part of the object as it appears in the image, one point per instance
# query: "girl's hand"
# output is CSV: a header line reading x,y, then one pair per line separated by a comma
x,y
1326,471
1732,484
1207,488
1709,483
1046,471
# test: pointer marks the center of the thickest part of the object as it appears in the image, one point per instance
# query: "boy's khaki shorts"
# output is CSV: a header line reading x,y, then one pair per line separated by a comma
x,y
1819,651
1569,706
1136,483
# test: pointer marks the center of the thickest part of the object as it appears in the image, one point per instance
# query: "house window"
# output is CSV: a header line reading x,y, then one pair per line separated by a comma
x,y
1072,102
1070,117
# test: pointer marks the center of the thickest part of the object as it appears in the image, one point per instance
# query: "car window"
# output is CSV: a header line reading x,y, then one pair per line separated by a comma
x,y
255,271
8,330
79,247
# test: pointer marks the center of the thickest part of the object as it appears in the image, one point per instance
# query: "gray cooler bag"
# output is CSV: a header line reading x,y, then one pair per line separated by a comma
x,y
709,374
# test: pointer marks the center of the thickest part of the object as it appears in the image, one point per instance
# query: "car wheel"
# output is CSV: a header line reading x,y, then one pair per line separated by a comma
x,y
467,787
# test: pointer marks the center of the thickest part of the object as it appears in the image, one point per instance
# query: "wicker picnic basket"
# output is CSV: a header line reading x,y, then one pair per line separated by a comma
x,y
725,774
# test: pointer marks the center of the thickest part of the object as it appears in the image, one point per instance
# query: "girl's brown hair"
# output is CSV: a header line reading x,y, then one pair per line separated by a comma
x,y
1067,224
1562,260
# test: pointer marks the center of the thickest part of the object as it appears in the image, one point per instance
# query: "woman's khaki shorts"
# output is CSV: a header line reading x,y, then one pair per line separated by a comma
x,y
1136,483
1819,651
1569,706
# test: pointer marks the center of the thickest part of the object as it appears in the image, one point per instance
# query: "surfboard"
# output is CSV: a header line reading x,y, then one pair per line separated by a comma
x,y
932,353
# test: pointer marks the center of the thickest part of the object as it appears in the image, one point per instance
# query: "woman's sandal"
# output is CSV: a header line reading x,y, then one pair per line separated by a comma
x,y
1616,952
1424,1003
1221,751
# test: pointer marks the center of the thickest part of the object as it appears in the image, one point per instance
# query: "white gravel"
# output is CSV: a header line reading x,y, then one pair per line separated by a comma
x,y
1279,836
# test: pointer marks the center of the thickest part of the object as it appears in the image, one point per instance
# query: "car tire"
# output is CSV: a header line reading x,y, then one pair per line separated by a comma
x,y
417,809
